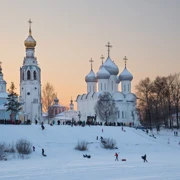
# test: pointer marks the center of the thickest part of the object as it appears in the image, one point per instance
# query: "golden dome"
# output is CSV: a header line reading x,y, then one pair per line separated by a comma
x,y
30,42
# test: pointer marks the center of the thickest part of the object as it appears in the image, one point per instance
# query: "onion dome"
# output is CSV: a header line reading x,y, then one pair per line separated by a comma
x,y
117,80
91,77
2,81
103,73
30,42
56,100
111,67
125,75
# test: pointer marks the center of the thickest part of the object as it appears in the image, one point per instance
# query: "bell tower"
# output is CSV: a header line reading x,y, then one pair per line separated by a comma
x,y
30,81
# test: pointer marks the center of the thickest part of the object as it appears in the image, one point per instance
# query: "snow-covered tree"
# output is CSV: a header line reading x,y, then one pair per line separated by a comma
x,y
105,107
12,102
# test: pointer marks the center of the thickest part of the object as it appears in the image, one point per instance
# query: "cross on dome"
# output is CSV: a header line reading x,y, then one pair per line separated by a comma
x,y
108,46
91,61
30,22
0,67
102,57
71,100
125,59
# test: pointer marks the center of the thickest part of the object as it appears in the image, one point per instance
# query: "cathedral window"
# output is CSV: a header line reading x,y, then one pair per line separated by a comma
x,y
90,88
118,114
23,76
128,87
124,87
112,85
28,75
123,114
105,86
35,76
101,86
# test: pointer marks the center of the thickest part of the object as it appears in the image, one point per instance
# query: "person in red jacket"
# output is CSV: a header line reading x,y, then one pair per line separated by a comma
x,y
116,154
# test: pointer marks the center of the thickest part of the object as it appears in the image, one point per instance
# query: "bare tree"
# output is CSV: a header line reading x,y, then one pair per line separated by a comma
x,y
48,96
144,100
176,96
105,107
158,100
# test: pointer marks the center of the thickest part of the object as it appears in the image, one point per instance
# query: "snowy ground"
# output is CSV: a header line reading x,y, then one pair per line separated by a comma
x,y
63,162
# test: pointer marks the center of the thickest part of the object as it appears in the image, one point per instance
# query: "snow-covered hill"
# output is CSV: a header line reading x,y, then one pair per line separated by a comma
x,y
63,162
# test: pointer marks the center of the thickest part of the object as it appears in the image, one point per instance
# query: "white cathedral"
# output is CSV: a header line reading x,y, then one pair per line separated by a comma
x,y
108,80
30,81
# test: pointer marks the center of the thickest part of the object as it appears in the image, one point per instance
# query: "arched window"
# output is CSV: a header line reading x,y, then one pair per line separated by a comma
x,y
23,76
118,114
28,75
34,75
124,87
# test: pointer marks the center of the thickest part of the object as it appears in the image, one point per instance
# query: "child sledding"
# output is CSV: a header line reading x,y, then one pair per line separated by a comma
x,y
86,156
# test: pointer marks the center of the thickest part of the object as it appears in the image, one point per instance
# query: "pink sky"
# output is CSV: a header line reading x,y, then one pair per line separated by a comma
x,y
69,33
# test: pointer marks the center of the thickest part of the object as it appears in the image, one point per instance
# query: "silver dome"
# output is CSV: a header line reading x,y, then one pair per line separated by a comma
x,y
91,77
103,73
111,67
125,76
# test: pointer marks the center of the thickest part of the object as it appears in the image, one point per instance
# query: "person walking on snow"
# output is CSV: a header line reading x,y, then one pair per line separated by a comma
x,y
144,158
102,130
116,154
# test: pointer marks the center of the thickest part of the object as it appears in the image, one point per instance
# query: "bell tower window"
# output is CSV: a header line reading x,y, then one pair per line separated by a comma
x,y
23,76
28,75
35,76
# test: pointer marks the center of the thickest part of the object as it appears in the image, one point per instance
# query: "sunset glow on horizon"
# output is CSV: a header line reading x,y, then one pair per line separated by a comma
x,y
69,33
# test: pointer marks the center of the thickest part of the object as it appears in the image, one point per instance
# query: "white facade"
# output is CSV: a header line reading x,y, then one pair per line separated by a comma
x,y
3,98
30,82
107,80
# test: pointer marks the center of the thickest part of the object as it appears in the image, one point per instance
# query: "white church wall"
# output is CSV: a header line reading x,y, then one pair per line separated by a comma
x,y
112,84
125,87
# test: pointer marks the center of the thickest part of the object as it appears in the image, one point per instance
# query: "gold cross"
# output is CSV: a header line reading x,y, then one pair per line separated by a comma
x,y
125,59
91,61
30,22
108,46
102,57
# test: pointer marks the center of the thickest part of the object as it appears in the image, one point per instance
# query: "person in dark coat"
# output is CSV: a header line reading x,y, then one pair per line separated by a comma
x,y
43,152
42,126
144,158
33,148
